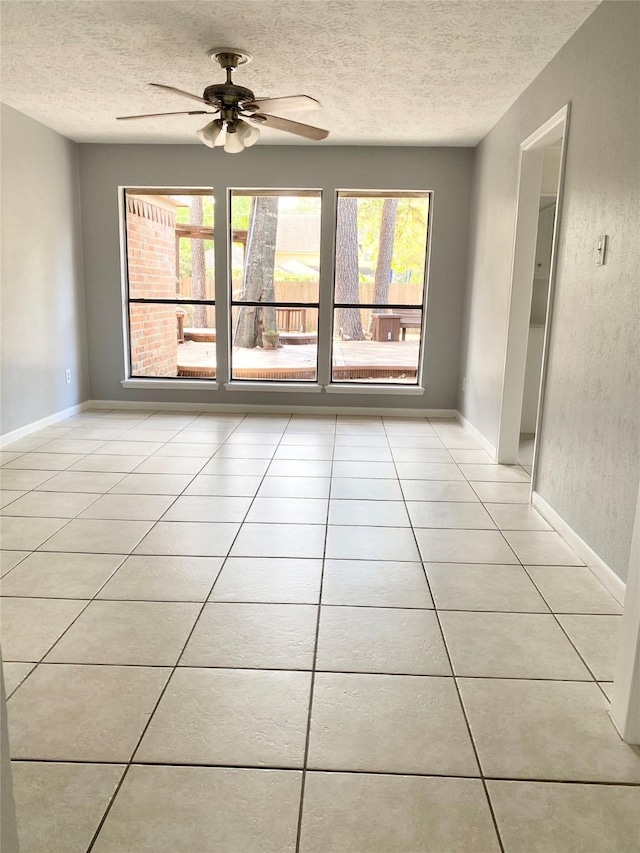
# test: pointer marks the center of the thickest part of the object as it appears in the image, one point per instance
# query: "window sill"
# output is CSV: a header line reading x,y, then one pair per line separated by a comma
x,y
172,384
309,388
401,390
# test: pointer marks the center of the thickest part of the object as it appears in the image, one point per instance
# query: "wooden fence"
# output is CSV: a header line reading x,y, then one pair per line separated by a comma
x,y
400,293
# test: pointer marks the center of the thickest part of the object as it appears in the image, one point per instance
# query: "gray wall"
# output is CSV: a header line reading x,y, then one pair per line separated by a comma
x,y
588,466
43,326
445,171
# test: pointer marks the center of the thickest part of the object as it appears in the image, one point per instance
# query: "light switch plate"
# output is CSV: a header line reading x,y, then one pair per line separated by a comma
x,y
601,250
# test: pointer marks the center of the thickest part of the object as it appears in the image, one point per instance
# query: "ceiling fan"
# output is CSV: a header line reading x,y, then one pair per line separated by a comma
x,y
240,113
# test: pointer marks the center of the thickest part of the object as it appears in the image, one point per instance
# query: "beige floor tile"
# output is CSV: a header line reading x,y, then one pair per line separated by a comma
x,y
97,482
129,507
152,484
185,538
258,636
389,724
13,480
43,461
381,640
163,579
438,490
362,489
464,546
447,514
470,457
510,645
24,445
61,575
225,486
98,536
428,471
427,441
93,433
363,813
371,543
203,810
373,513
10,559
82,713
362,441
375,583
517,517
269,580
246,451
130,448
71,446
231,717
421,454
144,633
295,487
542,548
503,493
551,730
301,468
355,453
30,626
9,456
468,586
172,465
14,674
236,467
186,448
60,806
573,589
279,540
288,510
108,463
26,534
7,497
607,688
545,817
494,473
299,451
140,433
208,508
365,470
596,638
48,505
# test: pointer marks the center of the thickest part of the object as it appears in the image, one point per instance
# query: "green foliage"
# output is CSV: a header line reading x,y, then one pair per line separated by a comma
x,y
410,234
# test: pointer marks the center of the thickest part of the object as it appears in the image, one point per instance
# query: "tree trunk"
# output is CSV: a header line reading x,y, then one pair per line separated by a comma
x,y
198,266
385,255
348,323
259,262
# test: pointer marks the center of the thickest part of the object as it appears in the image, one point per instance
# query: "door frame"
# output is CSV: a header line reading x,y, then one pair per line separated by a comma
x,y
522,272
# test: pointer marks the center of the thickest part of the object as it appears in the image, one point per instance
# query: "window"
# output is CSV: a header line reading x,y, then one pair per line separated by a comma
x,y
380,265
275,283
170,283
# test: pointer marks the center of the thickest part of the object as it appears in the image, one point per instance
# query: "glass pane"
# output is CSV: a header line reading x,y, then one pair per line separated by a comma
x,y
391,354
275,253
173,340
381,247
274,343
170,246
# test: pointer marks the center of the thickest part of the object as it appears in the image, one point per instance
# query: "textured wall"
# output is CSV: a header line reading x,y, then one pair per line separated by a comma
x,y
43,327
445,171
588,466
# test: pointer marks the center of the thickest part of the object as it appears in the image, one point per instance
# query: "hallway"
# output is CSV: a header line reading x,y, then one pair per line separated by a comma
x,y
287,632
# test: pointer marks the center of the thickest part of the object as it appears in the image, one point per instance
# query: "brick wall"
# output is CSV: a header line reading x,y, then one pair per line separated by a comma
x,y
151,255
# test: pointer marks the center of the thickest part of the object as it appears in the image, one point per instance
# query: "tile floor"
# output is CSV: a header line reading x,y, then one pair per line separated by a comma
x,y
276,633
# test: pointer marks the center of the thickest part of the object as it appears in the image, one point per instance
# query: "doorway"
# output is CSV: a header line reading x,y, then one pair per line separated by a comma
x,y
537,224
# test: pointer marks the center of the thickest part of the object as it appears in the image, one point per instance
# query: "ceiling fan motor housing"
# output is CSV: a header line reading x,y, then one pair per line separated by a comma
x,y
227,94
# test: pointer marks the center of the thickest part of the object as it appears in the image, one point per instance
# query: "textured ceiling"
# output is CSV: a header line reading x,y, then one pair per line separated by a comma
x,y
386,72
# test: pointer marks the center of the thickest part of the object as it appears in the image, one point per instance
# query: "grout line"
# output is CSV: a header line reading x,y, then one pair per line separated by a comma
x,y
314,664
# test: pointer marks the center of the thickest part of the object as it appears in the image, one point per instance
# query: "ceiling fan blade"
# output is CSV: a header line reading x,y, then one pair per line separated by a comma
x,y
288,126
293,102
180,92
181,113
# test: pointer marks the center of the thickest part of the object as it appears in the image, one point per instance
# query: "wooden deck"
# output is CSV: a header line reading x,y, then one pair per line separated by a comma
x,y
353,360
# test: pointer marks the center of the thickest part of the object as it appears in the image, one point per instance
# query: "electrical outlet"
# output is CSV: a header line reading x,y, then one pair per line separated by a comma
x,y
68,376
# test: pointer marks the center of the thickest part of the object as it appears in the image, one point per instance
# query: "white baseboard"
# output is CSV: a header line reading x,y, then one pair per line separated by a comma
x,y
271,409
27,429
600,569
475,433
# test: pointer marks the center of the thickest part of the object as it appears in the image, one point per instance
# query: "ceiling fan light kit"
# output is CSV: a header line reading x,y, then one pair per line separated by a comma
x,y
240,113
